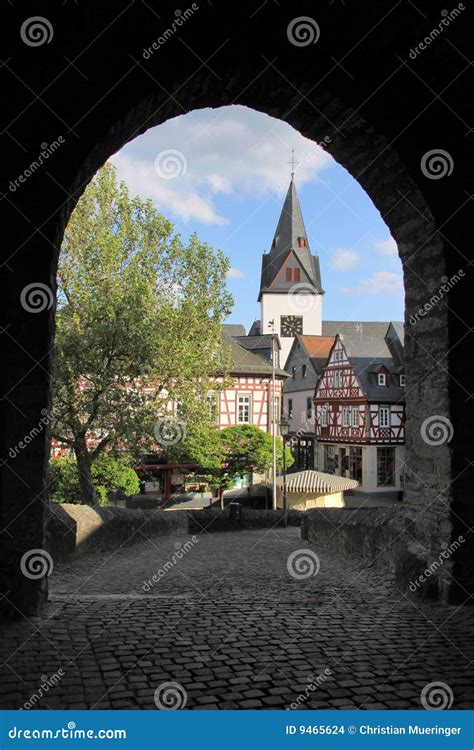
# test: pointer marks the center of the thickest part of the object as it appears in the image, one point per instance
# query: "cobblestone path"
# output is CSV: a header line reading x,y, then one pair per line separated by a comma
x,y
231,627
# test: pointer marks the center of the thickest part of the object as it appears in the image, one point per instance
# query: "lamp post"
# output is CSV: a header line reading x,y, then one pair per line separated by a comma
x,y
284,430
271,406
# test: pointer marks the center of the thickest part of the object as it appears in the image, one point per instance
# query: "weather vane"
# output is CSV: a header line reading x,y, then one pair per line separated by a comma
x,y
293,162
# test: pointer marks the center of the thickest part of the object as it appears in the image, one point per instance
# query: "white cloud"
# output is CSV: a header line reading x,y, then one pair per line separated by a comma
x,y
235,273
344,260
225,150
386,247
382,282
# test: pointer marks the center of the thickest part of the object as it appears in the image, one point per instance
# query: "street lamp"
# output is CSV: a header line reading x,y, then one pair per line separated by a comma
x,y
284,430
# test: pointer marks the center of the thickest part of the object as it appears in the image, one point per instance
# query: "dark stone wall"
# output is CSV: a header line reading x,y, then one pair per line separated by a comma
x,y
358,89
224,520
373,537
77,529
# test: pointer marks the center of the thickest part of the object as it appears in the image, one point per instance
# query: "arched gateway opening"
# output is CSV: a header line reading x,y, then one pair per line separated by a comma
x,y
370,122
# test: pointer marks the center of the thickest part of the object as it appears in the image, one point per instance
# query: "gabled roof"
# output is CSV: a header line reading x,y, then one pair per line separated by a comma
x,y
356,327
286,240
258,342
312,351
234,329
245,362
368,354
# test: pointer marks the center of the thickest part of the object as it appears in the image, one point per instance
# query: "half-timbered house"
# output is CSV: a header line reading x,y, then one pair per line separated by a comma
x,y
248,398
360,410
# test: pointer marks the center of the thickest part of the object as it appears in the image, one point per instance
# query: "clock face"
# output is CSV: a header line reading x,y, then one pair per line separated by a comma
x,y
290,325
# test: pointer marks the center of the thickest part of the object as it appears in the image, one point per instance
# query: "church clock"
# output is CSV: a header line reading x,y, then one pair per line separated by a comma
x,y
291,325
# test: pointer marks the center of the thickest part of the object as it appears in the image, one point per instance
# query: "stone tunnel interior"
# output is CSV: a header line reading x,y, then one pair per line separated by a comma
x,y
100,83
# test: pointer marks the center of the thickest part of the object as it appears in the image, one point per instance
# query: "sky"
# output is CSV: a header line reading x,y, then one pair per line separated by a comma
x,y
223,173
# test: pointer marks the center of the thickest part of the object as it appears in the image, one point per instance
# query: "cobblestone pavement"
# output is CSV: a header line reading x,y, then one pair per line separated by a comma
x,y
231,627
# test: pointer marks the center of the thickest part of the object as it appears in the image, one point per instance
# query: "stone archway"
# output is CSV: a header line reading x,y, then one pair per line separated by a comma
x,y
378,144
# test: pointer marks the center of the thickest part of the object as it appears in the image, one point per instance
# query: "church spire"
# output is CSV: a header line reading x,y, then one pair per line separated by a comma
x,y
290,243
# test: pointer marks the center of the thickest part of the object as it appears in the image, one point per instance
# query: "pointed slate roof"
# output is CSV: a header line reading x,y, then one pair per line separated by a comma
x,y
289,229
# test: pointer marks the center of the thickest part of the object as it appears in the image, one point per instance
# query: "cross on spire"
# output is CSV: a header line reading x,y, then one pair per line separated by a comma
x,y
293,163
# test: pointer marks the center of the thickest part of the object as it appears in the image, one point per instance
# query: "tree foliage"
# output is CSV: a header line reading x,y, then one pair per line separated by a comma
x,y
138,325
235,451
109,474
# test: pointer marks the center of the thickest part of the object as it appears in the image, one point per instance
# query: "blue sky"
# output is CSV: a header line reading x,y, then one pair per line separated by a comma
x,y
224,172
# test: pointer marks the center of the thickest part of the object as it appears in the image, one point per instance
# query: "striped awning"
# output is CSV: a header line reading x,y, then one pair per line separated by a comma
x,y
317,482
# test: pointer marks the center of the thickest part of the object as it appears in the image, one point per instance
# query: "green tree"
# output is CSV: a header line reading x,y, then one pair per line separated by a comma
x,y
235,451
138,326
109,474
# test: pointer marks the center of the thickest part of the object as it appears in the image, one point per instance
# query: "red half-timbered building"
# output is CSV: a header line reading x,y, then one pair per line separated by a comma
x,y
360,410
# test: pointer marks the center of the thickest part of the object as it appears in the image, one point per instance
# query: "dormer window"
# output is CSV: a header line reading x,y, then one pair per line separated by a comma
x,y
381,378
296,275
288,275
402,381
302,241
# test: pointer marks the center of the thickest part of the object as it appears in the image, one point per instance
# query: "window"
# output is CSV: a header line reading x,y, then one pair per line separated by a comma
x,y
296,274
288,274
345,416
355,416
384,416
243,409
337,378
385,467
381,379
309,407
293,371
302,241
402,381
324,416
355,464
330,458
290,408
303,371
337,355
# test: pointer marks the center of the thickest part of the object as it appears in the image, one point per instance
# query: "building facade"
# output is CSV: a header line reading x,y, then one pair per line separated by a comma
x,y
290,287
360,410
307,357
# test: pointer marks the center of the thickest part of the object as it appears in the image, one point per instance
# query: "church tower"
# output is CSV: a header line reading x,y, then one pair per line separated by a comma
x,y
290,287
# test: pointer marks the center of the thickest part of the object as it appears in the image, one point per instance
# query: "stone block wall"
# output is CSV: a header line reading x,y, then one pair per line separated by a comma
x,y
78,529
377,538
224,520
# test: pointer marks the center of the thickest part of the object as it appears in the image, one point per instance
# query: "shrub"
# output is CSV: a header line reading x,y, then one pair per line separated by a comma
x,y
110,473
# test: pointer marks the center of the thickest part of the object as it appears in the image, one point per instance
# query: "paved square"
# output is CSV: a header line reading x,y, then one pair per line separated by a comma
x,y
227,624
